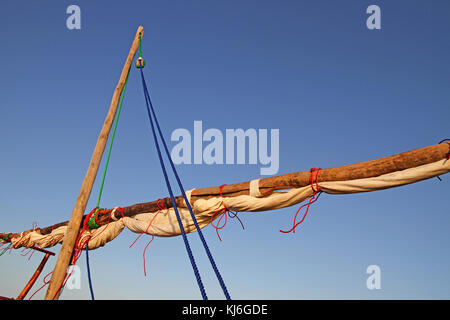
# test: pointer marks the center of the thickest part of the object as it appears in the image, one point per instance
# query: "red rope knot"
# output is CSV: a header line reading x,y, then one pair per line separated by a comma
x,y
83,239
80,244
161,205
112,215
101,212
88,217
222,212
121,213
313,180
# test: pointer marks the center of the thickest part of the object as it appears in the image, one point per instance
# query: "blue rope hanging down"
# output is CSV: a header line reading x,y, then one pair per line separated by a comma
x,y
150,112
89,271
186,242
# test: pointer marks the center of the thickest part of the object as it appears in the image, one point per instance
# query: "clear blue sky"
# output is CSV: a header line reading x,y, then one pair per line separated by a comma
x,y
338,92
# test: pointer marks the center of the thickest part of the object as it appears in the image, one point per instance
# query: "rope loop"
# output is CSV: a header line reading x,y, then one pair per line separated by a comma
x,y
313,180
222,211
225,211
92,222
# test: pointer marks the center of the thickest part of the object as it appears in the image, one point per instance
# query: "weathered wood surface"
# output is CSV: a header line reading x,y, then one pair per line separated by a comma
x,y
367,169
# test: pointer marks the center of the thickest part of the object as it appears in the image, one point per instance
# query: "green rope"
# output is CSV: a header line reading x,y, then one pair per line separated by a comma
x,y
140,62
92,223
6,238
139,45
6,249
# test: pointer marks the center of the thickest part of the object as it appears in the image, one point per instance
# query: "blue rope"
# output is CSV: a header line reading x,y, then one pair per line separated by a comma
x,y
186,242
205,245
89,271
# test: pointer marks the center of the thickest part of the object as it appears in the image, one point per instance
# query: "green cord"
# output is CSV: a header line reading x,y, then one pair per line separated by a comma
x,y
6,249
140,62
139,45
6,238
92,223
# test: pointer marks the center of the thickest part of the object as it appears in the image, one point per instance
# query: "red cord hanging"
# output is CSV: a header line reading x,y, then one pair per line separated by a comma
x,y
316,192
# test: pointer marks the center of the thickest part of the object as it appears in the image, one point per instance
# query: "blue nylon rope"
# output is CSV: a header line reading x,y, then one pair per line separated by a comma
x,y
205,245
89,271
186,242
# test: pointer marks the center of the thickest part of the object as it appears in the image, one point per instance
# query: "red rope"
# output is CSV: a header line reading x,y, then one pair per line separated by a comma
x,y
32,250
45,283
80,243
101,211
316,192
161,206
76,255
222,212
143,254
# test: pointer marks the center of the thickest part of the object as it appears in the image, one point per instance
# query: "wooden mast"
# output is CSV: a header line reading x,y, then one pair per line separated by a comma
x,y
67,248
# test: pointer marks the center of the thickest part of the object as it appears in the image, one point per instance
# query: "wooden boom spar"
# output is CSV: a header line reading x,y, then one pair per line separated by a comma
x,y
361,170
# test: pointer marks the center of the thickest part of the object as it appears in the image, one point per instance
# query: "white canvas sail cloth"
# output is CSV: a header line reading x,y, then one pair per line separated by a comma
x,y
165,223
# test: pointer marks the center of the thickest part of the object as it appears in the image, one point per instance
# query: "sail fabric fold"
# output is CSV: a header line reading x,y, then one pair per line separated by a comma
x,y
164,223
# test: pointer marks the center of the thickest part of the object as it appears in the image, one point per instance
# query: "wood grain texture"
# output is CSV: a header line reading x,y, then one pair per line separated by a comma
x,y
367,169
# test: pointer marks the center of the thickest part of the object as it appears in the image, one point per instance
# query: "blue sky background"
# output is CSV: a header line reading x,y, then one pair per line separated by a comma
x,y
338,92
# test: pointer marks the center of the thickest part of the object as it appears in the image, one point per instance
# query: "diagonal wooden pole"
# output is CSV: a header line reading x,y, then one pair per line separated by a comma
x,y
36,274
67,248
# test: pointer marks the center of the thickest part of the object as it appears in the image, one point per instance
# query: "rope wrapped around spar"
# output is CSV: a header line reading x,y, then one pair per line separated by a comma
x,y
163,223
